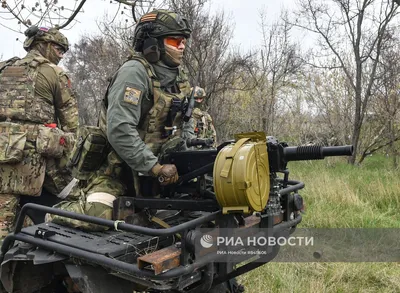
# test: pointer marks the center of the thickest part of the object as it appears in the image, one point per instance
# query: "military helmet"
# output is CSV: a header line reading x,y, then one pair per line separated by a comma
x,y
199,92
159,23
36,34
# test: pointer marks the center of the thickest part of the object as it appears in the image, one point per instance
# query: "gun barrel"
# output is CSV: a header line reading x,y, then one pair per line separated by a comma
x,y
301,153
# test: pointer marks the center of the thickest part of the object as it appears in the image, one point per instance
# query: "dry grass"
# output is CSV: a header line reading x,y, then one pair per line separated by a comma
x,y
339,195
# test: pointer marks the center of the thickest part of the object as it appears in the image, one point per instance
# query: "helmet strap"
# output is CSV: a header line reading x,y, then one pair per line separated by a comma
x,y
151,50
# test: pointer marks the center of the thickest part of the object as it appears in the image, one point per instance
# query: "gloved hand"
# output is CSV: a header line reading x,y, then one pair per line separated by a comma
x,y
167,174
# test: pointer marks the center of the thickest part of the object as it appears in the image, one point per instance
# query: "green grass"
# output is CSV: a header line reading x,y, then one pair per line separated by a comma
x,y
338,195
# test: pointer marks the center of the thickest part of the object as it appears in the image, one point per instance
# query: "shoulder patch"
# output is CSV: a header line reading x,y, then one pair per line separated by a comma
x,y
132,95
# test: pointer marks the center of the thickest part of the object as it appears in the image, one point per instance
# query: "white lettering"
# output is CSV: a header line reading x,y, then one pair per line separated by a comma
x,y
290,241
251,241
220,240
272,241
309,241
262,241
239,241
281,241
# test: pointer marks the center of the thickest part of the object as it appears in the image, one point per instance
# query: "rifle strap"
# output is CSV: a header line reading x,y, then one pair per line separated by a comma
x,y
162,224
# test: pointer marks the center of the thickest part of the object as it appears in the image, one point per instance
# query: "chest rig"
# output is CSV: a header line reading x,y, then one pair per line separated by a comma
x,y
200,123
18,101
165,116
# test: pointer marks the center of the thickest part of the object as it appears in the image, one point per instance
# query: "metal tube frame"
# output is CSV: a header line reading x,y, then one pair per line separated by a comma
x,y
127,267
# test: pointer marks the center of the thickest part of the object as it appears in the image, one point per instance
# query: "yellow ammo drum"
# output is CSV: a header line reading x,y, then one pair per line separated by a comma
x,y
241,175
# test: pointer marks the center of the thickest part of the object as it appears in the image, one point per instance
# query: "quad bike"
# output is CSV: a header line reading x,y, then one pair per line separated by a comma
x,y
243,185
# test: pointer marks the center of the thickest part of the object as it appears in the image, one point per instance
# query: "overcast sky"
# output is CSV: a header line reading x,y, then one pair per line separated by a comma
x,y
245,16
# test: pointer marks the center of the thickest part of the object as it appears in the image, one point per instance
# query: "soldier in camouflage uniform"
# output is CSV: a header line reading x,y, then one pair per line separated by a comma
x,y
204,127
38,119
139,115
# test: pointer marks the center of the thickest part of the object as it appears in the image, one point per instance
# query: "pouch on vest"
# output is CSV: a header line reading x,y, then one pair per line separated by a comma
x,y
12,144
25,177
89,152
50,142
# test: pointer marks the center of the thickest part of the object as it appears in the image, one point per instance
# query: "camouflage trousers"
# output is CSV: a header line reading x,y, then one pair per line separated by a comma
x,y
57,176
8,210
94,199
81,206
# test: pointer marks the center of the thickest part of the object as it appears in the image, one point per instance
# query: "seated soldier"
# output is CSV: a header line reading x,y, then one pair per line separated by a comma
x,y
138,117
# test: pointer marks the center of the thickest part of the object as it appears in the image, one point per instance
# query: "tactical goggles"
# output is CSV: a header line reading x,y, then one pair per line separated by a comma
x,y
175,41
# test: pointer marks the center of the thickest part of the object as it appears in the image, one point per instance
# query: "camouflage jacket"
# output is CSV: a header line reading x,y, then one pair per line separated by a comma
x,y
43,88
35,96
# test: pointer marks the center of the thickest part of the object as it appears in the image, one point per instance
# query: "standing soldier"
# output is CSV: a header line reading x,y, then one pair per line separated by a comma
x,y
204,127
38,119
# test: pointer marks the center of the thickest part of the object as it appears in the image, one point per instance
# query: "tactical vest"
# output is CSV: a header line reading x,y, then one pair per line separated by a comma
x,y
200,123
18,101
26,144
203,124
152,125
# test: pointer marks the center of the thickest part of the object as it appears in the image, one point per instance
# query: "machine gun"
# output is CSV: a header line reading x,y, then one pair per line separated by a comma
x,y
235,186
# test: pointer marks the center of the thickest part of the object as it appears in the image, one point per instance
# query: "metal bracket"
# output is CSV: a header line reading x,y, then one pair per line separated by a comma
x,y
44,234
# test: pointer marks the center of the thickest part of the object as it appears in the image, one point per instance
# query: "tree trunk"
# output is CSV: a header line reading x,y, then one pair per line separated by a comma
x,y
392,147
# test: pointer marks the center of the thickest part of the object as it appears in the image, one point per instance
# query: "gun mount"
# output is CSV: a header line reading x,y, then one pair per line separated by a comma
x,y
234,186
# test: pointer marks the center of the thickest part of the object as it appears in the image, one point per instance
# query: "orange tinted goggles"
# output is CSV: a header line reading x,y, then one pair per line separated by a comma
x,y
175,41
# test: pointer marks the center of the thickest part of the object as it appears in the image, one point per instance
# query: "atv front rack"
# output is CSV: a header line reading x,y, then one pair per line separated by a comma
x,y
117,249
54,237
103,248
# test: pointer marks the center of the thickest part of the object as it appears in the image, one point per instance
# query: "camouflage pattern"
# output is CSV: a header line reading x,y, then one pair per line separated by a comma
x,y
134,118
164,23
35,97
25,94
106,180
4,64
153,128
48,142
14,139
81,206
132,121
18,100
35,35
25,177
146,139
89,152
8,209
203,124
204,127
35,92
